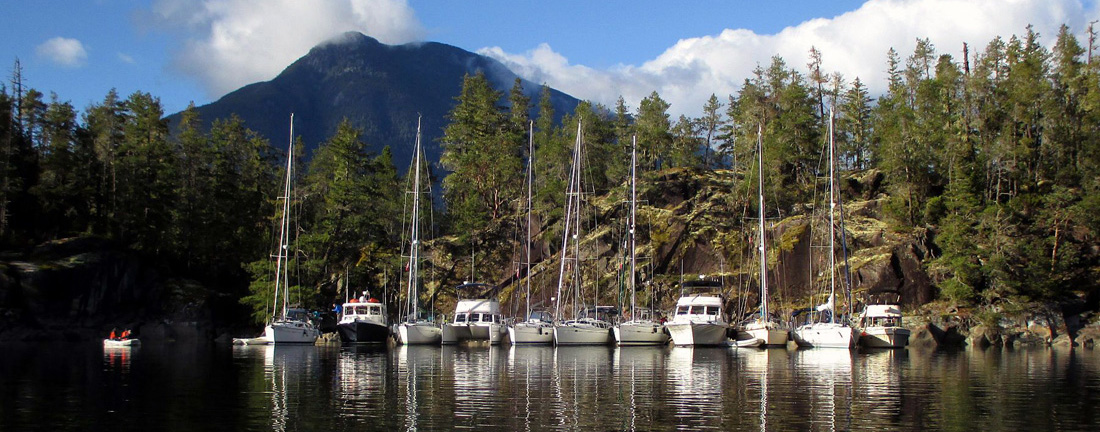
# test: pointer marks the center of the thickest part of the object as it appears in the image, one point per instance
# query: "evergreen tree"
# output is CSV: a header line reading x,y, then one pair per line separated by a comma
x,y
653,129
710,123
484,159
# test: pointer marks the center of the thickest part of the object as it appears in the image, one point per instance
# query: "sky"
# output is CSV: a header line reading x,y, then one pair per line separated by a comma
x,y
185,51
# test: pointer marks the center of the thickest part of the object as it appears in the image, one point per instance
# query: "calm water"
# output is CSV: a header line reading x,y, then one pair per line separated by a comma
x,y
190,388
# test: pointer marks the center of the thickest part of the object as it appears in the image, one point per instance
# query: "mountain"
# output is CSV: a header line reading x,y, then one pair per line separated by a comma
x,y
380,88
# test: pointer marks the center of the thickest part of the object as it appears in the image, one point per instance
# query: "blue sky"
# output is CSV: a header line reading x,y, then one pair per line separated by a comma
x,y
198,50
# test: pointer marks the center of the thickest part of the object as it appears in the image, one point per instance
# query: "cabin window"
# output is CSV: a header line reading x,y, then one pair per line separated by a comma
x,y
460,318
699,310
683,310
712,310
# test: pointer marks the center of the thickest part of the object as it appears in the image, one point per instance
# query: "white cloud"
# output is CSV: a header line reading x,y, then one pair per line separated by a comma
x,y
125,58
854,44
236,42
63,51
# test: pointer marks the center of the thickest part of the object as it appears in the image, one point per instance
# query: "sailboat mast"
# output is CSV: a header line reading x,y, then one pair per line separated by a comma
x,y
760,229
414,231
633,219
281,275
568,222
530,180
832,227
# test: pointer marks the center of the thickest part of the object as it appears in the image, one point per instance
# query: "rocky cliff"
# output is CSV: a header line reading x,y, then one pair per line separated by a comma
x,y
81,288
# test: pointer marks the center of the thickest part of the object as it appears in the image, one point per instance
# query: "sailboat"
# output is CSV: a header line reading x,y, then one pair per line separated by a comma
x,y
765,327
536,328
639,329
591,326
415,329
833,333
288,325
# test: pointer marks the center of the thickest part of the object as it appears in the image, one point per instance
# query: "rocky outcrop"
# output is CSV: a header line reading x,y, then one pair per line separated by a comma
x,y
81,288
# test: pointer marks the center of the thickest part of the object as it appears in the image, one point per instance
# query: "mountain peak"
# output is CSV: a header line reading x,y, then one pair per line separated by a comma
x,y
380,88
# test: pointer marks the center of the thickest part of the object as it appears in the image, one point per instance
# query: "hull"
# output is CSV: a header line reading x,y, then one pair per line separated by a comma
x,y
363,332
291,332
531,334
884,337
455,333
568,334
769,336
825,335
115,343
641,333
419,334
691,334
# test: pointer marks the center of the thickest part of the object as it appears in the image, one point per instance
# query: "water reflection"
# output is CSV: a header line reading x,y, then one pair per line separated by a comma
x,y
118,358
182,387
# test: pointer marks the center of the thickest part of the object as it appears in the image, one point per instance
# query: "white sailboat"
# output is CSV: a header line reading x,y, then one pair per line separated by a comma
x,y
415,329
536,328
764,327
833,333
587,328
639,329
477,318
699,318
288,325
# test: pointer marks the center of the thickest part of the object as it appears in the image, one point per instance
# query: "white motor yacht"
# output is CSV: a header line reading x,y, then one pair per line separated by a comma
x,y
363,320
477,319
699,318
881,327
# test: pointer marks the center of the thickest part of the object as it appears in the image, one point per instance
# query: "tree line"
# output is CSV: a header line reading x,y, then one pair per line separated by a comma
x,y
995,153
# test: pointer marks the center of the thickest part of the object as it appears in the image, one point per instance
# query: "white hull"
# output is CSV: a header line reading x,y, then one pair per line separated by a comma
x,y
581,334
685,334
419,334
455,333
769,336
884,337
280,332
641,333
118,343
526,333
262,340
825,335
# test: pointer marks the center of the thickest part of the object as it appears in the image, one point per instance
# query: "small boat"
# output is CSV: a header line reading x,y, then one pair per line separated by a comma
x,y
261,340
476,319
416,327
881,327
120,343
699,318
749,343
363,320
